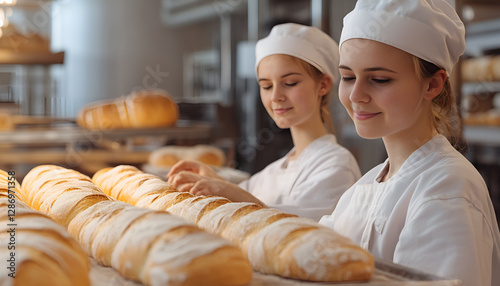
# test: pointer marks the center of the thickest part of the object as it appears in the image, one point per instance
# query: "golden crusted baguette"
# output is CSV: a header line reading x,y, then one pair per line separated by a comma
x,y
153,247
35,249
274,241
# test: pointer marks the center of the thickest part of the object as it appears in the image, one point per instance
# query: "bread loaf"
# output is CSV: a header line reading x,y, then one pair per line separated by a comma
x,y
140,109
6,122
274,241
495,68
167,156
13,40
36,250
477,69
153,247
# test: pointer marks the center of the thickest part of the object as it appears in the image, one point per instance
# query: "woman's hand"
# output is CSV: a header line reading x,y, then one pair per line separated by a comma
x,y
215,187
199,185
191,166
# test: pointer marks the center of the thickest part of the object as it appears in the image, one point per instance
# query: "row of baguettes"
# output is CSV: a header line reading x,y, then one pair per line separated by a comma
x,y
153,247
35,249
274,241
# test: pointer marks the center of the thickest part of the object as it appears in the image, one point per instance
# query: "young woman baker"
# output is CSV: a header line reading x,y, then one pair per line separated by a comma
x,y
295,66
426,206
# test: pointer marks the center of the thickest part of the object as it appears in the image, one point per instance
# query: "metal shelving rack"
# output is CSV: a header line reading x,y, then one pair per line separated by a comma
x,y
483,150
64,143
30,65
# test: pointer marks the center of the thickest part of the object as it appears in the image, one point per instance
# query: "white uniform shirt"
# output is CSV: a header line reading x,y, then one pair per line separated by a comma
x,y
434,215
309,186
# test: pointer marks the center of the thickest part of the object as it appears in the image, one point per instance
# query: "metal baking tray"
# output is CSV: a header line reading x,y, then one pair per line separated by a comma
x,y
386,274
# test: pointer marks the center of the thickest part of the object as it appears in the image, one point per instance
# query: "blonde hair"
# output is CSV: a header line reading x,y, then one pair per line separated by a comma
x,y
444,107
317,75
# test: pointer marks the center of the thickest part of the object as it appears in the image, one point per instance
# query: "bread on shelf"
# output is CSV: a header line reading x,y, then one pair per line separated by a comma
x,y
141,109
13,40
153,247
6,122
275,242
36,250
168,156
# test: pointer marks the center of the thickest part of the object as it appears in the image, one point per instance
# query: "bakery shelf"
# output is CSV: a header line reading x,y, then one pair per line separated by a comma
x,y
469,88
27,4
74,134
9,57
90,150
484,135
481,36
69,157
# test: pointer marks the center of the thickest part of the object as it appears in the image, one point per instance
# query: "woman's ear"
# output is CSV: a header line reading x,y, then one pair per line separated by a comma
x,y
324,85
435,84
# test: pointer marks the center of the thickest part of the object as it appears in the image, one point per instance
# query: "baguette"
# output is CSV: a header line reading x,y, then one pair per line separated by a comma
x,y
275,242
140,109
153,247
36,250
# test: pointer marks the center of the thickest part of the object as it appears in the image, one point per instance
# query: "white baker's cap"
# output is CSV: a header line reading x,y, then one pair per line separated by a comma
x,y
307,43
428,29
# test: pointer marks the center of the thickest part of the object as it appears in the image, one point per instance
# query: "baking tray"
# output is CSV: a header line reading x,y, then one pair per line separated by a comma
x,y
386,274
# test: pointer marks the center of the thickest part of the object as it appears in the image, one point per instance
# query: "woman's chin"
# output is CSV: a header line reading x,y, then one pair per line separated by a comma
x,y
282,125
367,133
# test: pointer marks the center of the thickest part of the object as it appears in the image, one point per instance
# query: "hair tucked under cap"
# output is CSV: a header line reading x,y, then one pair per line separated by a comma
x,y
307,43
428,29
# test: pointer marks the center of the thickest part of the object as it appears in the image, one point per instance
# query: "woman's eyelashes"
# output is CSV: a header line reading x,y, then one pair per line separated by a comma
x,y
348,78
379,81
288,84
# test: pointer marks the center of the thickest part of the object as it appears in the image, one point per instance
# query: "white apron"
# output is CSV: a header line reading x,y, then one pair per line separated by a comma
x,y
434,215
309,186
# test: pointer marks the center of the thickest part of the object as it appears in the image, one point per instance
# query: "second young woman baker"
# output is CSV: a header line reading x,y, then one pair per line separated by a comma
x,y
426,206
296,66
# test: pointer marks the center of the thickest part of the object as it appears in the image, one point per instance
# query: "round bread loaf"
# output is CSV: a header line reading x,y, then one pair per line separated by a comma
x,y
6,122
495,68
151,108
168,156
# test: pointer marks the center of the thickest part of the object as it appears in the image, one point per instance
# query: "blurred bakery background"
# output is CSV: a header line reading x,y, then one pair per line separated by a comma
x,y
72,72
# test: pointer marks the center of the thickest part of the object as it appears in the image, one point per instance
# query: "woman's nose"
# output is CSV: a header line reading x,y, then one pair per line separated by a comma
x,y
359,93
277,94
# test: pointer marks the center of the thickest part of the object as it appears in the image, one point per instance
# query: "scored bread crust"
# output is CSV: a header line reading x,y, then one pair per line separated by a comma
x,y
153,247
45,253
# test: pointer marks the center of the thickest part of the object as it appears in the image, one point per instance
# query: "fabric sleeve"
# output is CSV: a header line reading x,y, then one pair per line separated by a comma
x,y
319,193
448,237
244,184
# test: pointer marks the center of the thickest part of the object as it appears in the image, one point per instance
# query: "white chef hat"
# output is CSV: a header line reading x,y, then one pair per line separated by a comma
x,y
428,29
307,43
